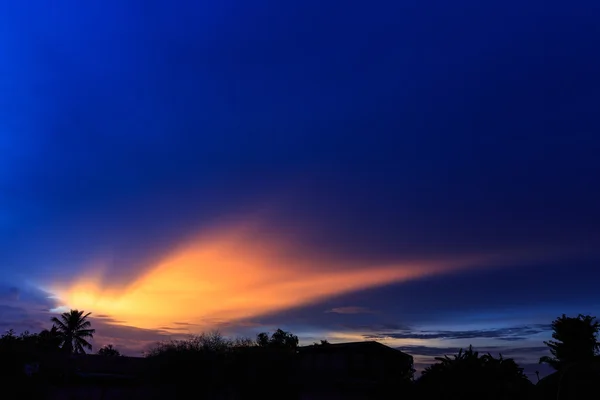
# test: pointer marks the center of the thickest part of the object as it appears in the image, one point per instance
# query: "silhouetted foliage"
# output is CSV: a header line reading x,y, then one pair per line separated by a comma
x,y
221,362
49,340
19,359
575,357
469,375
279,339
29,345
73,329
109,351
408,374
206,355
211,342
272,366
575,340
262,339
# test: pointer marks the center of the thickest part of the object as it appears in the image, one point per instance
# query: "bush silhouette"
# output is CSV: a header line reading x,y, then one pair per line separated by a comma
x,y
469,375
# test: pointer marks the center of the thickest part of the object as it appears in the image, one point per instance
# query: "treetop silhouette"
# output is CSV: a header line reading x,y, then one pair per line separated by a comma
x,y
74,329
109,351
575,340
279,339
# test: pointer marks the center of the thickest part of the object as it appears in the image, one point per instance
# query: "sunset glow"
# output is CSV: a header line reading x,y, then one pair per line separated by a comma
x,y
230,276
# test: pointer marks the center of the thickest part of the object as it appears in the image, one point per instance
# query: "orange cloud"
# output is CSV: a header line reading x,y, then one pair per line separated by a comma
x,y
229,275
350,310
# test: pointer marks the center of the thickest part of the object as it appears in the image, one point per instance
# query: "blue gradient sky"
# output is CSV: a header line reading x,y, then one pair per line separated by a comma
x,y
451,148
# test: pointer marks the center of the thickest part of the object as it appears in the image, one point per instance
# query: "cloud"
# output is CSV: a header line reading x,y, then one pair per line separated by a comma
x,y
368,217
350,310
12,294
508,334
479,298
435,351
129,340
171,328
24,308
235,274
30,311
428,350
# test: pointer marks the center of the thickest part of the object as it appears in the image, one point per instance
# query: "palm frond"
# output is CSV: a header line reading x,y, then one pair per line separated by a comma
x,y
553,362
79,349
85,333
82,342
84,324
60,325
82,321
66,318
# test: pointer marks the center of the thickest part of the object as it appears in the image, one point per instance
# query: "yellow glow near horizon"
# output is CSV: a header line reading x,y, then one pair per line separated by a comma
x,y
230,275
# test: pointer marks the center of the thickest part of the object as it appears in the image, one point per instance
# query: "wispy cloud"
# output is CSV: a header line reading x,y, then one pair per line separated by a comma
x,y
507,334
435,351
234,274
350,310
129,340
24,308
173,328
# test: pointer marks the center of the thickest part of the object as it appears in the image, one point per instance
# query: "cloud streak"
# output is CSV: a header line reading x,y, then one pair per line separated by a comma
x,y
505,351
350,310
507,334
233,274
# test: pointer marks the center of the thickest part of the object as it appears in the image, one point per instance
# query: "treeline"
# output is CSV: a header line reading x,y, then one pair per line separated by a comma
x,y
215,342
470,375
573,353
269,365
257,368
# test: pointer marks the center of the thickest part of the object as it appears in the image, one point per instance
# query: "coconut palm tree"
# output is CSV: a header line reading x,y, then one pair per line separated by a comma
x,y
74,328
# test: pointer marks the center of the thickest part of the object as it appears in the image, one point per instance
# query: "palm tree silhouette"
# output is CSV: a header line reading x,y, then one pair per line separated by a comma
x,y
74,328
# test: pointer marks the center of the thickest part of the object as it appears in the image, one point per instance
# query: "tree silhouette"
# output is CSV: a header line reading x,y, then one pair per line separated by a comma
x,y
574,355
468,374
49,340
211,356
279,339
109,351
262,339
73,328
575,340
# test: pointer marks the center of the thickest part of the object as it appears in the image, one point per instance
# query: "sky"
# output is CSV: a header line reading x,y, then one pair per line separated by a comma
x,y
422,173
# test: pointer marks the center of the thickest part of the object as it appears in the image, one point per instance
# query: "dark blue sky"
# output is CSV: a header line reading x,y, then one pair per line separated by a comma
x,y
397,131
